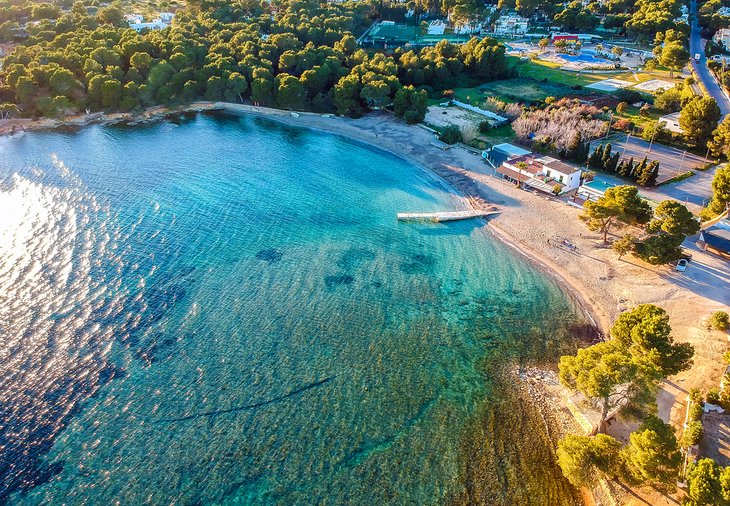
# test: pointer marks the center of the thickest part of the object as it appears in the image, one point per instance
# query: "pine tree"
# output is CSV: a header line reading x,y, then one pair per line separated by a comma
x,y
574,147
585,148
613,162
647,177
639,169
594,161
629,168
623,167
606,160
653,170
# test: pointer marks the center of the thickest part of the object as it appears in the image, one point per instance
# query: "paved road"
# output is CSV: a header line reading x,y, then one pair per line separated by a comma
x,y
696,46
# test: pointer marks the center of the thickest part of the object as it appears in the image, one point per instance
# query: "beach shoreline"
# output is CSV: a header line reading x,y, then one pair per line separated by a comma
x,y
526,223
475,200
329,123
601,285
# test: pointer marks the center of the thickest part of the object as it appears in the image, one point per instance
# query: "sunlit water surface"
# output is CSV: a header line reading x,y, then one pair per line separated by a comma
x,y
225,310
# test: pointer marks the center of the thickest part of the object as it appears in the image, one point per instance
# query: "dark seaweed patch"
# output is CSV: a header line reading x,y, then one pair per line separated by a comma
x,y
418,264
337,280
270,255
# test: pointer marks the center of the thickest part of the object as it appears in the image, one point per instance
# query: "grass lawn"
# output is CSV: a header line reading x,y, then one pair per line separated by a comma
x,y
498,135
543,70
632,114
516,89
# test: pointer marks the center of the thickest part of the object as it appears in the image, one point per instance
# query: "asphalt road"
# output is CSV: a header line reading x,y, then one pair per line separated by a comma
x,y
696,46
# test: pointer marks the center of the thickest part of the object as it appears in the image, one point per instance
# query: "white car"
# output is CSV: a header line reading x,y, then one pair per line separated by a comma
x,y
682,265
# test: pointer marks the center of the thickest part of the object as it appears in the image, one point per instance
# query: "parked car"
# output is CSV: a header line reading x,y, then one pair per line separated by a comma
x,y
682,265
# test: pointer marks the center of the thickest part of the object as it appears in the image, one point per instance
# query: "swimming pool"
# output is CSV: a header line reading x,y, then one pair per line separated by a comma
x,y
583,58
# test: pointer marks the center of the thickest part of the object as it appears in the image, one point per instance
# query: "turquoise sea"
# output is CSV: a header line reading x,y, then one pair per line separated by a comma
x,y
224,310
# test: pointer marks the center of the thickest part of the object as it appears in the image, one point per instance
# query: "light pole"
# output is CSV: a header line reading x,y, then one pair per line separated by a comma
x,y
610,117
681,162
652,140
628,134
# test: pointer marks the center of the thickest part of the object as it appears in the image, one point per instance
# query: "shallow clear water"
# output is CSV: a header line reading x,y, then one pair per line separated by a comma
x,y
225,310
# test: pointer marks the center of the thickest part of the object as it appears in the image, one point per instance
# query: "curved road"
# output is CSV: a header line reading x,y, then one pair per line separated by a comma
x,y
696,46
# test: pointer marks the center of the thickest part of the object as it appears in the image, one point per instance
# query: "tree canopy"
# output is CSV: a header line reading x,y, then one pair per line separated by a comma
x,y
653,456
304,56
583,459
625,369
619,204
699,119
708,484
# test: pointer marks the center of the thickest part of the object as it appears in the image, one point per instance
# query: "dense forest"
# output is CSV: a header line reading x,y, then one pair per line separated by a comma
x,y
291,54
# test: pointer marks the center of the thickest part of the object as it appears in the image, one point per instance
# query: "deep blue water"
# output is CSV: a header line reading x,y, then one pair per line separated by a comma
x,y
225,310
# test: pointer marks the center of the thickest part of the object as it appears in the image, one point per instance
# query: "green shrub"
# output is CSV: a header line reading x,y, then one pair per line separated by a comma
x,y
695,395
695,412
451,135
485,126
692,434
719,320
713,396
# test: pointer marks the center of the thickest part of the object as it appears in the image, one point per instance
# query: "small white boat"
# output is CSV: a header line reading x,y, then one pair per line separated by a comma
x,y
294,114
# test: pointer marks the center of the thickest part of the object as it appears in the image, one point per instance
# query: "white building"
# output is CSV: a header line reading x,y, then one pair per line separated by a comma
x,y
134,18
722,36
436,27
155,24
510,24
467,28
671,121
543,173
137,22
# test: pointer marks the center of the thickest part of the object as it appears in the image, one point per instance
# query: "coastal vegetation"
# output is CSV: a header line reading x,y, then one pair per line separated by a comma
x,y
620,205
698,119
623,373
708,484
304,57
666,227
671,225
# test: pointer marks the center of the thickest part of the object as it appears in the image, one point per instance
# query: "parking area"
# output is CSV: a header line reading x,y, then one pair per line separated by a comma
x,y
672,161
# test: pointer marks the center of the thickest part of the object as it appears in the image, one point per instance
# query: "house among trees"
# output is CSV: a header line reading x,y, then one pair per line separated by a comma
x,y
545,173
722,36
137,23
716,239
510,24
671,122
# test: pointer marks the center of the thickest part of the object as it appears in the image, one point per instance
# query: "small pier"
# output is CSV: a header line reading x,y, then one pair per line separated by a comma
x,y
444,215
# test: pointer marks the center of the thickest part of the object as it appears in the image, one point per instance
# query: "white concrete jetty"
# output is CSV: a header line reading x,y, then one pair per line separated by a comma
x,y
444,215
